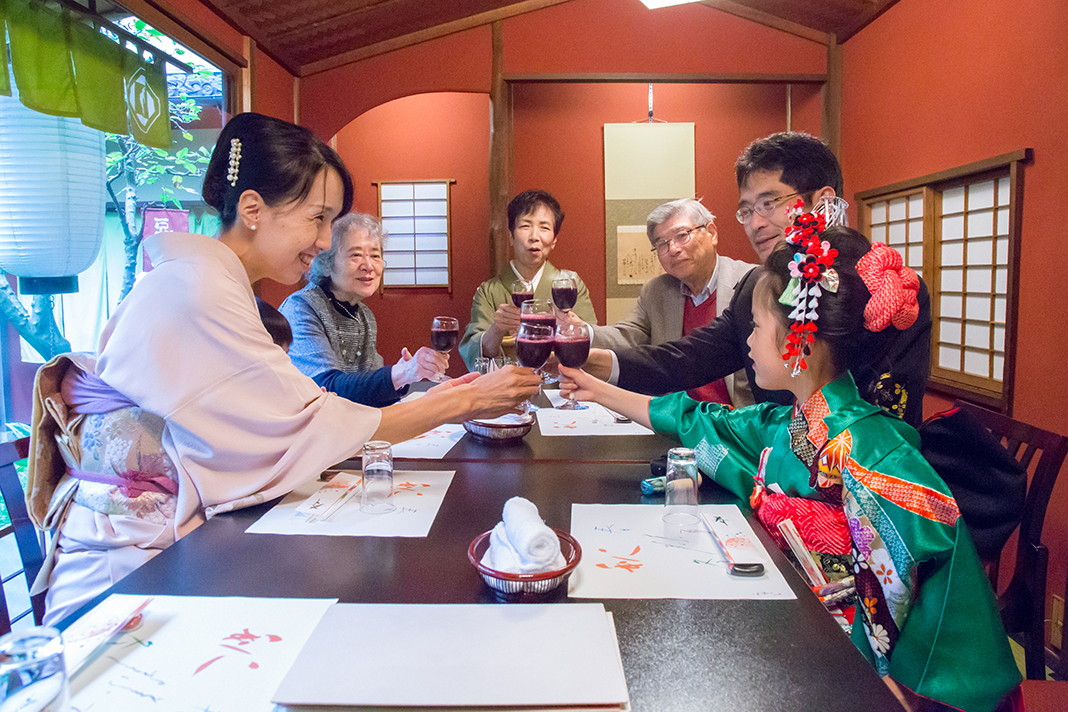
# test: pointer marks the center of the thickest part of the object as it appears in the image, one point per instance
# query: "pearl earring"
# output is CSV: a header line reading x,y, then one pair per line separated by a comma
x,y
252,227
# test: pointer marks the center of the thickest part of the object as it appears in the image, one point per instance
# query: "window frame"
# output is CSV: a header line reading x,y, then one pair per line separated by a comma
x,y
983,391
448,183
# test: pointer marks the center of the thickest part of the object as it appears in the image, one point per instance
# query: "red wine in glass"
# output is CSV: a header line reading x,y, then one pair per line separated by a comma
x,y
522,291
533,352
565,297
444,334
572,348
572,352
540,319
444,339
565,293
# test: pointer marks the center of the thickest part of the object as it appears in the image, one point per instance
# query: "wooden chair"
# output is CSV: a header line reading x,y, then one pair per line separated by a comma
x,y
1023,602
25,532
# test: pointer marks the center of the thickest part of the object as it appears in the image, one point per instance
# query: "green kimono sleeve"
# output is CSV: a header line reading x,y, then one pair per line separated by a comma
x,y
483,307
953,647
727,442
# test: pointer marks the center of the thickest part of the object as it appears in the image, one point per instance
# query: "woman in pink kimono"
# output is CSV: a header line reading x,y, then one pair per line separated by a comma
x,y
190,409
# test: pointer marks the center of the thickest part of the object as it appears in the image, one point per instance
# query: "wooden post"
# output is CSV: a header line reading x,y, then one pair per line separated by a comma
x,y
498,156
832,97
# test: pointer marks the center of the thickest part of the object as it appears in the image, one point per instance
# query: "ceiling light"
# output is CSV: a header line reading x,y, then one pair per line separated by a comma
x,y
654,4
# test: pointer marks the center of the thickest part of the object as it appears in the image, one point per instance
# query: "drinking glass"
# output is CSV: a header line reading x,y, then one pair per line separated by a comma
x,y
33,674
565,293
540,311
444,335
532,348
522,291
680,487
377,478
572,347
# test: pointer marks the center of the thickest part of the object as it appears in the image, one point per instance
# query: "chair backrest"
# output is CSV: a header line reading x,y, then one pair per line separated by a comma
x,y
29,545
1023,602
1024,442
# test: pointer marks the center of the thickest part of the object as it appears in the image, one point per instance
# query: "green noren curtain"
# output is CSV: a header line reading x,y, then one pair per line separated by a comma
x,y
40,58
5,81
101,100
64,67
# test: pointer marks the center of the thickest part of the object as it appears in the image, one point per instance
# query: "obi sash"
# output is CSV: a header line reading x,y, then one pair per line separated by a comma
x,y
85,393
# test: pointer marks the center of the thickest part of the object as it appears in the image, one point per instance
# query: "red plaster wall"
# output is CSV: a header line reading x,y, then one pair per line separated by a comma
x,y
429,136
274,88
625,36
204,17
558,145
457,63
935,84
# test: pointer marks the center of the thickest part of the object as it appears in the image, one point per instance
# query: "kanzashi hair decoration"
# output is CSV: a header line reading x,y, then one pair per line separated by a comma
x,y
235,161
893,289
833,209
811,274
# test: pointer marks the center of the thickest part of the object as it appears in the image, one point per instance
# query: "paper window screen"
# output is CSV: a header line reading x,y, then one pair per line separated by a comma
x,y
958,230
416,216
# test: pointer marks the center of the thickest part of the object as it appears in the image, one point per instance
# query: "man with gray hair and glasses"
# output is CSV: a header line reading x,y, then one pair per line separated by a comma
x,y
697,287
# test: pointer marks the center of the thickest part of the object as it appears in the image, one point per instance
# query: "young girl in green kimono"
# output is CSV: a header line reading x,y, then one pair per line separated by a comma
x,y
847,473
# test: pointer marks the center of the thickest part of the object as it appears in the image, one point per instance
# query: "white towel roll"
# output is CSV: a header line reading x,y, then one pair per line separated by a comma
x,y
535,543
505,555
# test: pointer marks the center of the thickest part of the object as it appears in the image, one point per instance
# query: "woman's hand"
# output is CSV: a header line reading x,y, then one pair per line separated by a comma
x,y
497,393
426,365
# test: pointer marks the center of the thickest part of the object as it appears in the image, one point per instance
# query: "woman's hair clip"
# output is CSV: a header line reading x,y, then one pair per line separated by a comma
x,y
811,274
235,161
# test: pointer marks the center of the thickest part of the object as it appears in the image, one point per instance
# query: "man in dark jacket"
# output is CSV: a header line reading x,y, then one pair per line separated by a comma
x,y
773,173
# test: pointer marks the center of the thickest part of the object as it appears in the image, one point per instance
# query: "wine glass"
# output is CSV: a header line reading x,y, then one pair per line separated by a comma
x,y
572,347
539,311
522,291
444,335
565,293
532,348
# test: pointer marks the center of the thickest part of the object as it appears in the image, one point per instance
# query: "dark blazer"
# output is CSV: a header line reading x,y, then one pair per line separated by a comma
x,y
891,372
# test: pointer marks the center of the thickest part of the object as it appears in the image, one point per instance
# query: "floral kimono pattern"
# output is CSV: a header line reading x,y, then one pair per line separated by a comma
x,y
927,615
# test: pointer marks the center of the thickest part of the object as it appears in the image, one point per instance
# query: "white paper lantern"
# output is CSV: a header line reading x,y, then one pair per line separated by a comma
x,y
52,192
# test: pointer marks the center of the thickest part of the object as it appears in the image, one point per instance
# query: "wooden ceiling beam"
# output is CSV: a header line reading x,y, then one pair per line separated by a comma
x,y
870,17
242,24
738,9
430,33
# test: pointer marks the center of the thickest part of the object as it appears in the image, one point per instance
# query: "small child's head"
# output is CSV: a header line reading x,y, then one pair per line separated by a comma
x,y
276,324
831,321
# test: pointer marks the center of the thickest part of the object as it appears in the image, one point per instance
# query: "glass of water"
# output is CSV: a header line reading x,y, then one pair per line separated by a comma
x,y
377,495
680,487
33,673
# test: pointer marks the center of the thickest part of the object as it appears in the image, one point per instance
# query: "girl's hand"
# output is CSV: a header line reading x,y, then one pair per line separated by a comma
x,y
576,383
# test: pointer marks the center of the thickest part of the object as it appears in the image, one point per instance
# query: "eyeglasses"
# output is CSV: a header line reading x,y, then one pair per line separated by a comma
x,y
679,239
764,208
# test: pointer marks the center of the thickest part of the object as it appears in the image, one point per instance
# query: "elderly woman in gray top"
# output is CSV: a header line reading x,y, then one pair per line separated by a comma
x,y
334,333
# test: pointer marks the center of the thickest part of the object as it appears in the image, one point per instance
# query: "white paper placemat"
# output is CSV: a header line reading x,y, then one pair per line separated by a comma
x,y
417,495
628,551
595,420
199,653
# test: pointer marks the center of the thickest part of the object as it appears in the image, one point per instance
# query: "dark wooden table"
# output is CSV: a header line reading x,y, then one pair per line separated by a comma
x,y
608,448
677,654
